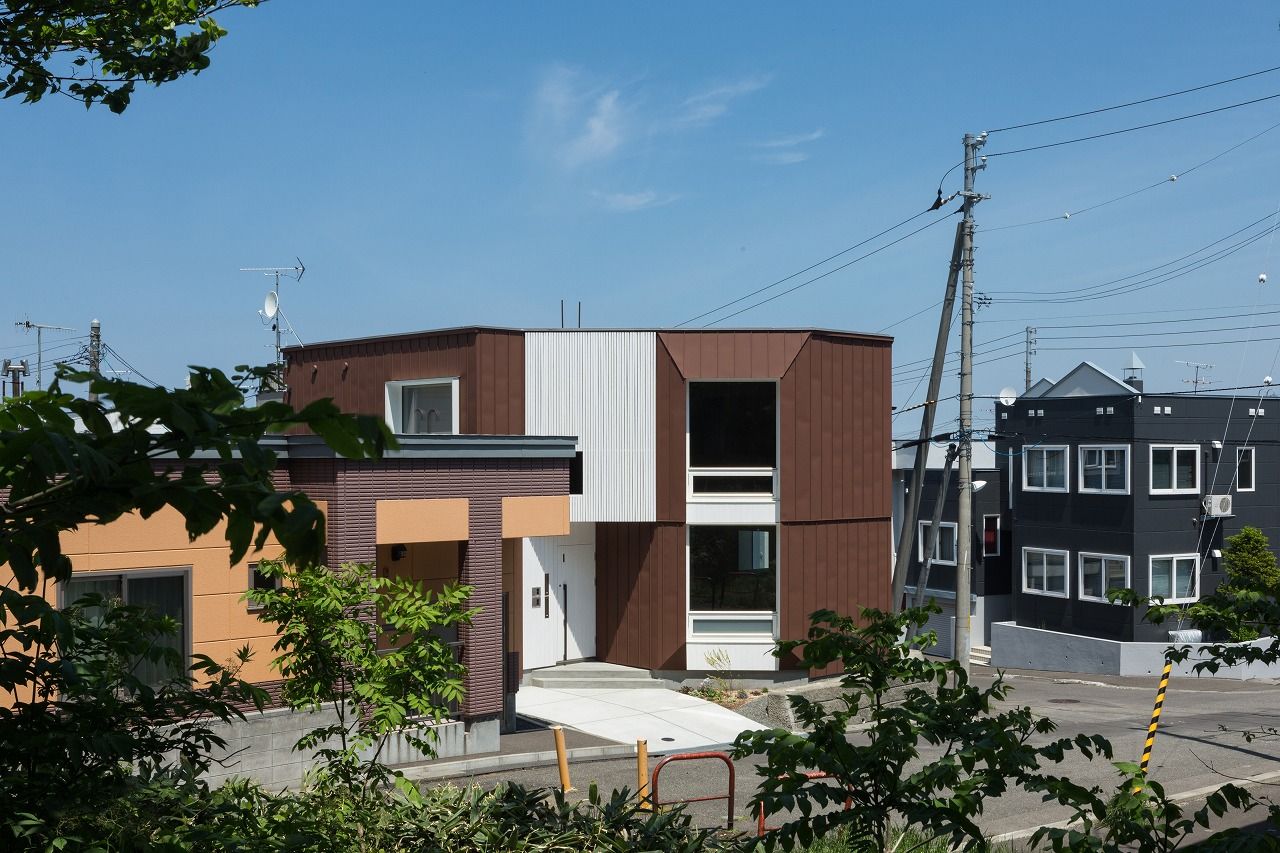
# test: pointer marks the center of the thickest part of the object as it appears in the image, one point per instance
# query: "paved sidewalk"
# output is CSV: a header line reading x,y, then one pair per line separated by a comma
x,y
667,719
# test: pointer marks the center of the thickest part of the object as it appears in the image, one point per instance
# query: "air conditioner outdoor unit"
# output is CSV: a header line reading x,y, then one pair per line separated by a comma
x,y
1217,506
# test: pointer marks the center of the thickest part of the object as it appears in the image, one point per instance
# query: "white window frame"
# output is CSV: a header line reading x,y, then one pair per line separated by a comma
x,y
996,552
922,536
1128,574
1104,447
1253,468
729,615
1173,580
1173,469
1066,468
692,497
1066,572
393,402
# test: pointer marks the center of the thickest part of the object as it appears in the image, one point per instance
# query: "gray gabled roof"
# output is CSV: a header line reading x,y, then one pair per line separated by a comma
x,y
1038,389
1088,380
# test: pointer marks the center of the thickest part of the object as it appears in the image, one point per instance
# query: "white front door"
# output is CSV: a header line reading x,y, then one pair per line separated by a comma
x,y
560,598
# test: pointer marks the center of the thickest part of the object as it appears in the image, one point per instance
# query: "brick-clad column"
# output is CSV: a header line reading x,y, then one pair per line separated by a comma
x,y
482,641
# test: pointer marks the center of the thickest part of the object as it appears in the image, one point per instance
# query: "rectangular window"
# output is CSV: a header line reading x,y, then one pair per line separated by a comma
x,y
1101,573
575,474
733,424
991,536
1175,469
944,549
1044,469
164,593
732,569
1244,469
422,406
1104,469
1175,578
1044,572
260,581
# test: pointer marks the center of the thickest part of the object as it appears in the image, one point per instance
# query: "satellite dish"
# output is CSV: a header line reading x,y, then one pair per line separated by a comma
x,y
1008,396
271,305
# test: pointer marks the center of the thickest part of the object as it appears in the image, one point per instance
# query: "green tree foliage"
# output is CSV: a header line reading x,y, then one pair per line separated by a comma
x,y
1250,563
907,703
379,682
99,50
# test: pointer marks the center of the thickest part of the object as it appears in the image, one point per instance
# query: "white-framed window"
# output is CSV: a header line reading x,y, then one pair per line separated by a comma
x,y
733,581
1244,469
1104,468
1044,469
1175,469
991,536
423,406
1101,573
1044,571
944,549
1175,577
732,441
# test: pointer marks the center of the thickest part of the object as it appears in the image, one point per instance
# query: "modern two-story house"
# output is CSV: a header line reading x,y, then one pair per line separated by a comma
x,y
1110,487
725,484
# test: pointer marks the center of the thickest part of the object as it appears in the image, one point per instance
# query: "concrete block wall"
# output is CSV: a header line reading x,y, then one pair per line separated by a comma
x,y
260,747
1015,646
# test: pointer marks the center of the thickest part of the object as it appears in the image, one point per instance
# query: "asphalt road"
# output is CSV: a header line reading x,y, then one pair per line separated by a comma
x,y
1192,750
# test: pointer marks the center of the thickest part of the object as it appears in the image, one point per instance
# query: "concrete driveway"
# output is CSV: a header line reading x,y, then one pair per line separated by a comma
x,y
668,720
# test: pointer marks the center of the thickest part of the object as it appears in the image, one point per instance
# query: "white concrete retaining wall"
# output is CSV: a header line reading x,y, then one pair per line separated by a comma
x,y
1014,646
260,747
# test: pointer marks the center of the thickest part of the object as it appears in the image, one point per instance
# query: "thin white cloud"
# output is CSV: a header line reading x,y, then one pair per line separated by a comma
x,y
781,158
702,108
629,202
572,122
793,140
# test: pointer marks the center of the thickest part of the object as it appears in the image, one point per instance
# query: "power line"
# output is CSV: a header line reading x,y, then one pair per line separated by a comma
x,y
901,365
827,259
1150,334
830,271
1188,310
108,348
1147,126
1134,103
1164,346
1157,322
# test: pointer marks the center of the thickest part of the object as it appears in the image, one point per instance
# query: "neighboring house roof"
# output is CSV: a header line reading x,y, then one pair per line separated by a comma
x,y
984,457
1038,389
1088,380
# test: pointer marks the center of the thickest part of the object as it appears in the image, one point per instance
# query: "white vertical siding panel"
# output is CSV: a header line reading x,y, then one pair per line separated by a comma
x,y
601,387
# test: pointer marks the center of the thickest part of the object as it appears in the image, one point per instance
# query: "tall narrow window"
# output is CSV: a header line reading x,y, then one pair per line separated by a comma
x,y
1175,469
991,536
1244,469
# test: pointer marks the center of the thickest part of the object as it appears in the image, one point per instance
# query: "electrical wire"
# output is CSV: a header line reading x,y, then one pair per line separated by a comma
x,y
108,348
820,276
1134,103
1188,310
814,266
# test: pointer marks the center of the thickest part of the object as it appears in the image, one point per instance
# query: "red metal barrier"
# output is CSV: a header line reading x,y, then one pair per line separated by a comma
x,y
695,756
811,775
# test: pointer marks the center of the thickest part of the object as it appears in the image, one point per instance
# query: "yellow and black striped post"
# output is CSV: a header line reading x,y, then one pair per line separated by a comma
x,y
1155,720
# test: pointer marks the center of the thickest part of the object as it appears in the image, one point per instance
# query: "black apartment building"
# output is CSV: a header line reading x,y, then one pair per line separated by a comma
x,y
1109,487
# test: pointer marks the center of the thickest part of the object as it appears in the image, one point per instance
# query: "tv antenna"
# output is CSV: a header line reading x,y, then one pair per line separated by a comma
x,y
1197,380
40,328
271,308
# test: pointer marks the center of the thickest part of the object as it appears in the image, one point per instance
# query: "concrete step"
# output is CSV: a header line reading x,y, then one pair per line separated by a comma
x,y
597,683
980,656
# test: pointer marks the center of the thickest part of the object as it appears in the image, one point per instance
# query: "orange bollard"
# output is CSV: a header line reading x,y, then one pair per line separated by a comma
x,y
642,773
562,759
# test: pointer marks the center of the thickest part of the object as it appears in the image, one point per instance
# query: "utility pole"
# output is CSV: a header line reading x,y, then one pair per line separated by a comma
x,y
1196,382
964,527
95,353
40,327
16,370
1031,350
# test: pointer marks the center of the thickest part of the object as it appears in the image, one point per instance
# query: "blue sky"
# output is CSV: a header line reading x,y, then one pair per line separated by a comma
x,y
448,164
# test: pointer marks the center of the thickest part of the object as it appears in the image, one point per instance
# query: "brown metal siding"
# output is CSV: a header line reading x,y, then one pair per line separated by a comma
x,y
640,594
489,364
835,409
669,450
733,355
839,565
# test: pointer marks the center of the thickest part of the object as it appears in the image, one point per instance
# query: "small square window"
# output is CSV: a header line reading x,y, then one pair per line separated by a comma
x,y
1101,573
1175,578
944,549
258,580
1104,469
1045,469
1044,572
1175,469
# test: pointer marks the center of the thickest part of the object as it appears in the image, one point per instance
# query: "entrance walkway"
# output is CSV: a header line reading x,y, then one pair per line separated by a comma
x,y
667,719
